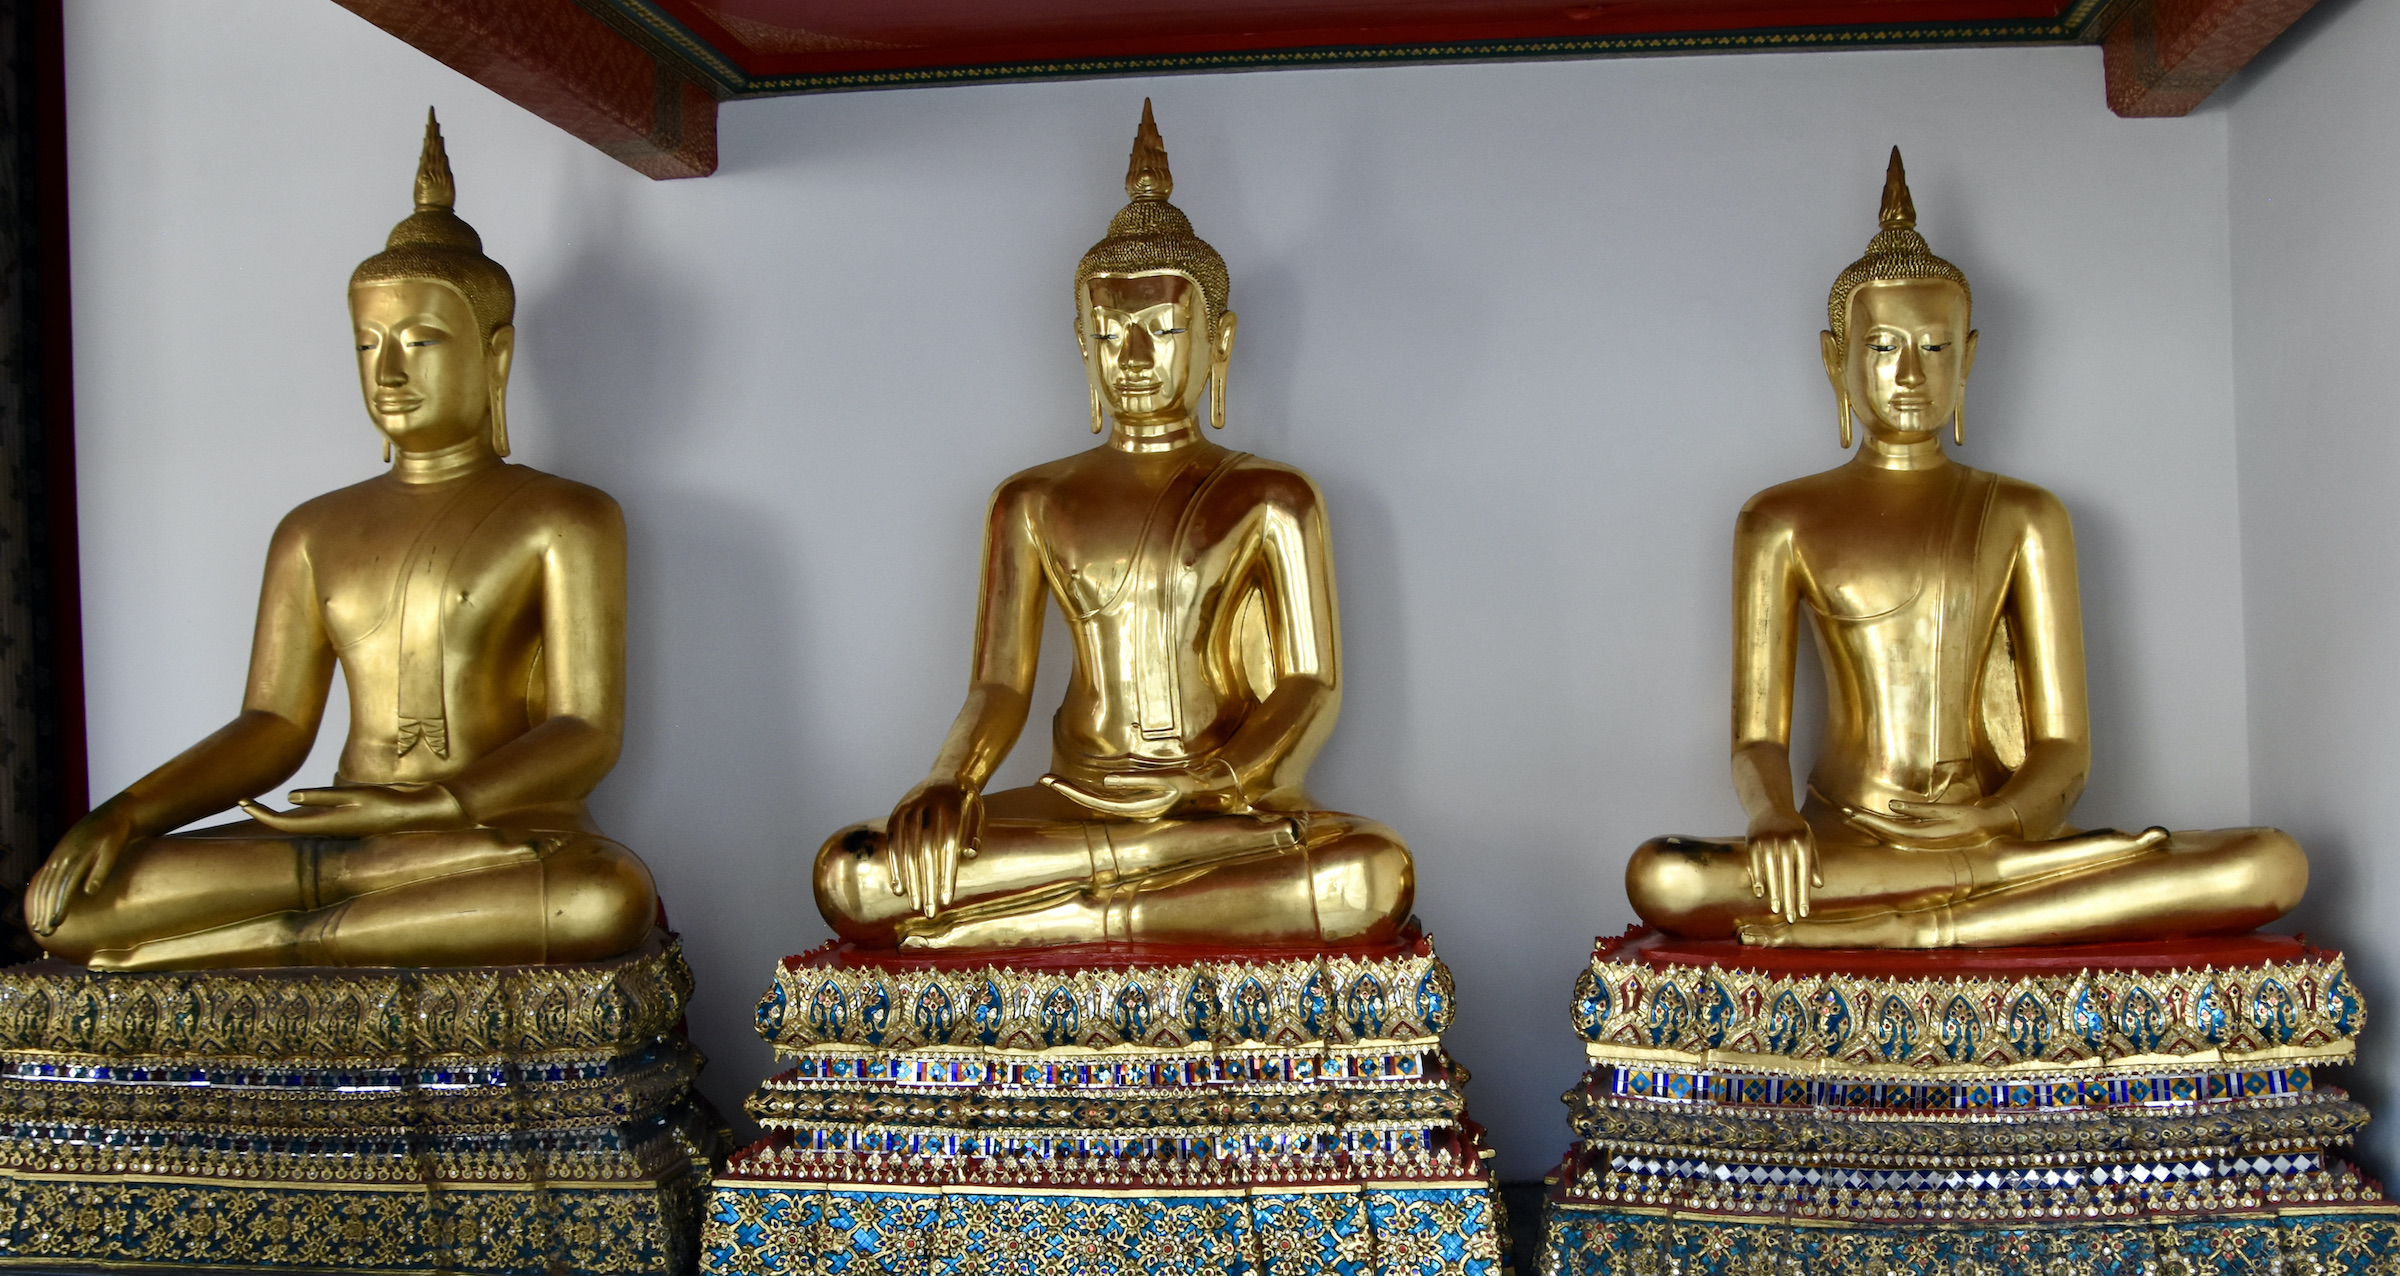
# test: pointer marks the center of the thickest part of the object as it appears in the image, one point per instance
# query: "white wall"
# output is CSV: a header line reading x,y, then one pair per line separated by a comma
x,y
2315,145
1536,329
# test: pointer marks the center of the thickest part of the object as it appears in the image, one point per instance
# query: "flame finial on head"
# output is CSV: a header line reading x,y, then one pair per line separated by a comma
x,y
1150,234
1899,210
435,188
434,243
1896,254
1146,175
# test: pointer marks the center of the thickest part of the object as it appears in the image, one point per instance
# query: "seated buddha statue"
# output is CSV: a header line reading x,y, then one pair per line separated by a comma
x,y
1958,737
476,610
1199,589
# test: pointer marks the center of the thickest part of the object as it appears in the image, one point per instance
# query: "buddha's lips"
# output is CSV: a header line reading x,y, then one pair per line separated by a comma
x,y
398,405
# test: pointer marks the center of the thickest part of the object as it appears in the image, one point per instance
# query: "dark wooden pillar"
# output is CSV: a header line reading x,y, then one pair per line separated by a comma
x,y
42,768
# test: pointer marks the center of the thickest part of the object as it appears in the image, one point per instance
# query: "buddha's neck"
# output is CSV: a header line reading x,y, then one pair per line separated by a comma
x,y
1164,434
442,464
1879,452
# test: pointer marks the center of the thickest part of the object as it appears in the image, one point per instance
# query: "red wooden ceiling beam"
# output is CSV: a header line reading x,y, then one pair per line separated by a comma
x,y
557,60
2165,56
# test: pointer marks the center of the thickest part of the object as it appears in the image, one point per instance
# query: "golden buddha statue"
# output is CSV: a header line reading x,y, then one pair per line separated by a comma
x,y
1957,738
477,612
1199,588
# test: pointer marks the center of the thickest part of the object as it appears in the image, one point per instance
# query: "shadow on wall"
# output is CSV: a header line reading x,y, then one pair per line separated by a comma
x,y
708,790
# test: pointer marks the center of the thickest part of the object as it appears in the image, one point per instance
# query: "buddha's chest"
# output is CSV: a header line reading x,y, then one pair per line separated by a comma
x,y
1889,558
465,590
1161,552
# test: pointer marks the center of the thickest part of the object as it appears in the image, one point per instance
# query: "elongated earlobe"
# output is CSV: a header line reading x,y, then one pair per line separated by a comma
x,y
1216,396
1958,423
387,450
503,347
1097,426
500,421
1841,404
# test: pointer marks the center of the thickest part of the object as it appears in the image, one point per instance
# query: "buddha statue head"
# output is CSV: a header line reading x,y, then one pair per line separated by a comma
x,y
1150,316
432,317
1901,344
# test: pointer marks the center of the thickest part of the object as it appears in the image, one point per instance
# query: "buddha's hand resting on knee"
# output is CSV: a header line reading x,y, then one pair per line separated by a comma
x,y
81,861
932,829
364,810
1783,863
1938,825
1207,787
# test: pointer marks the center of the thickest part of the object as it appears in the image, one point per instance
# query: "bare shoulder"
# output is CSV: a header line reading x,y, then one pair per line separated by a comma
x,y
1785,505
341,507
1028,489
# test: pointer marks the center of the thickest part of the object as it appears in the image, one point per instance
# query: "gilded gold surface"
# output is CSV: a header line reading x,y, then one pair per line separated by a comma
x,y
1198,585
476,610
1958,735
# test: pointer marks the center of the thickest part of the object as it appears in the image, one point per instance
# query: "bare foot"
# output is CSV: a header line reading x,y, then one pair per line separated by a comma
x,y
1063,914
1919,929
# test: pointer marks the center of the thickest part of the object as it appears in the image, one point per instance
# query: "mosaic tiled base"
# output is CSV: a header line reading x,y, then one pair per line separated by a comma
x,y
1110,1111
503,1120
1605,1242
1751,1113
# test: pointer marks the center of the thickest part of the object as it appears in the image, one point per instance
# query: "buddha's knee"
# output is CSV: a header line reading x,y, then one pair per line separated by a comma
x,y
853,892
91,925
1687,885
80,934
1365,882
598,901
2268,870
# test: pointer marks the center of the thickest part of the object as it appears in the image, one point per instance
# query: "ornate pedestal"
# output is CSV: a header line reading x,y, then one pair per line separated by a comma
x,y
2135,1108
1120,1110
522,1119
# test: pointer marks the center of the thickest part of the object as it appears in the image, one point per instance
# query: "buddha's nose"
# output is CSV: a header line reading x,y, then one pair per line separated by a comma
x,y
1140,350
1912,366
388,368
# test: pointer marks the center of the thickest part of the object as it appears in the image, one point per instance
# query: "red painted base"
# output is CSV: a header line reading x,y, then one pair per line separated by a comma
x,y
842,955
1657,948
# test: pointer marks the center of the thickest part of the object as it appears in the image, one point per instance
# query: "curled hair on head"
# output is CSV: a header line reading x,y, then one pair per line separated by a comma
x,y
1150,234
1897,254
435,243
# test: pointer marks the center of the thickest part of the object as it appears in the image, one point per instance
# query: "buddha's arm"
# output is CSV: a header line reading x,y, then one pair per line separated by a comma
x,y
1766,636
564,757
291,667
935,824
1277,740
2058,742
1008,647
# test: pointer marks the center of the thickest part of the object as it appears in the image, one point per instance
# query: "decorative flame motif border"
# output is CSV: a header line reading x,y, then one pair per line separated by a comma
x,y
1329,1000
328,1017
1832,1024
